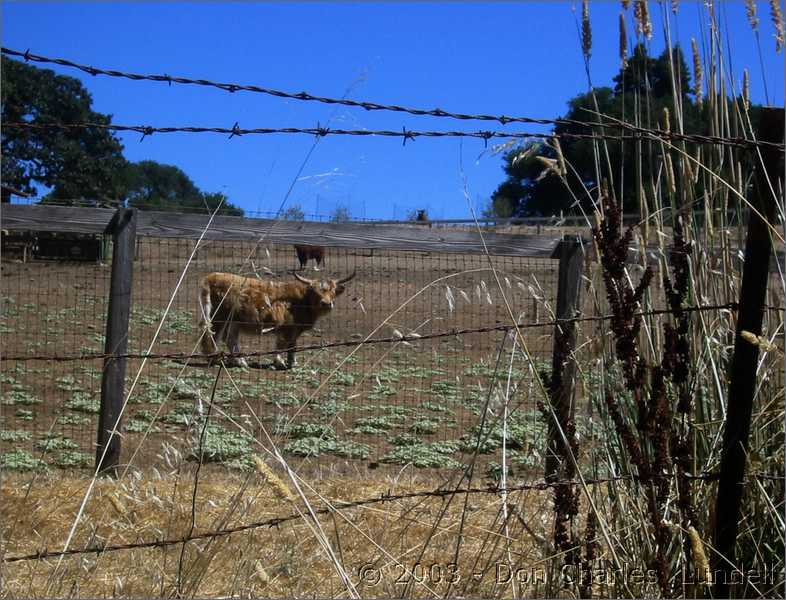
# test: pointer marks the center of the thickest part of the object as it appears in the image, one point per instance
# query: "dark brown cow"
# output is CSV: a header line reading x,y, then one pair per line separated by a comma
x,y
304,253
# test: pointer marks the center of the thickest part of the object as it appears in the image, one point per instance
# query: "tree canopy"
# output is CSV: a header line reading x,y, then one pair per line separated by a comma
x,y
81,164
340,215
154,186
293,213
78,163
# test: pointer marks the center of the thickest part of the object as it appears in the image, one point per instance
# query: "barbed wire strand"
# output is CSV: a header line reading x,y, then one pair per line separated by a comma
x,y
343,343
374,106
405,134
341,505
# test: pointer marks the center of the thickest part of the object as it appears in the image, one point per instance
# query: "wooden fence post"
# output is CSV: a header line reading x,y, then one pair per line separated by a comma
x,y
755,274
563,372
123,230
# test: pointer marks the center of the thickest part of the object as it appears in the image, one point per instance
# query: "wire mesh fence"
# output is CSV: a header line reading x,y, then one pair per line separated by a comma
x,y
416,402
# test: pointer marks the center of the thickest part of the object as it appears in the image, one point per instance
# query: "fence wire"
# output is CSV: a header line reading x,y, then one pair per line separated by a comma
x,y
98,548
405,134
396,389
428,376
373,106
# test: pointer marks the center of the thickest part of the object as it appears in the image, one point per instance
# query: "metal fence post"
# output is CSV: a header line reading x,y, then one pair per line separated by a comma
x,y
122,227
742,385
563,373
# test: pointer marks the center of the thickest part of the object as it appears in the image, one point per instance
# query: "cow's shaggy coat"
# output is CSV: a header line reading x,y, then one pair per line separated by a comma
x,y
230,304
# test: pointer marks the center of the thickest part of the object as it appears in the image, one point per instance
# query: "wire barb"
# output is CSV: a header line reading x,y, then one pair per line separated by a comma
x,y
388,340
631,129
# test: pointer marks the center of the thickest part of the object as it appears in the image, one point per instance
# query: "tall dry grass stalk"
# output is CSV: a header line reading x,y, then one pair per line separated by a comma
x,y
746,89
666,406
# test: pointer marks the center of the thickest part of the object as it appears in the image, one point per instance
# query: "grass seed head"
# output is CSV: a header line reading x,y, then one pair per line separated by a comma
x,y
279,487
586,30
699,556
698,74
563,170
750,12
641,11
119,506
623,42
777,23
757,340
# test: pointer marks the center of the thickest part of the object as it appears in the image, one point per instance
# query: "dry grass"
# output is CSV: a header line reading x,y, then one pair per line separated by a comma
x,y
283,561
458,545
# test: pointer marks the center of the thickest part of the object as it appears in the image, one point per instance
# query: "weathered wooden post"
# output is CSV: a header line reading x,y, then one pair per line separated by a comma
x,y
570,253
122,227
742,386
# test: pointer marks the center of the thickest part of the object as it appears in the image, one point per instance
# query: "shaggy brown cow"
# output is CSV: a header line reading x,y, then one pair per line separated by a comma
x,y
304,253
241,304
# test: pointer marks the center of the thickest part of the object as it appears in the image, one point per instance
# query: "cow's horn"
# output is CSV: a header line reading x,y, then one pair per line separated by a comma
x,y
303,279
348,278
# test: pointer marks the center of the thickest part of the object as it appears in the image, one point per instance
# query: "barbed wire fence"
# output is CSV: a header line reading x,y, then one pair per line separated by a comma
x,y
635,132
596,129
444,381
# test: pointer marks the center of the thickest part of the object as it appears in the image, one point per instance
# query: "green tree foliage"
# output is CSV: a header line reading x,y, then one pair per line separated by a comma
x,y
154,186
293,213
82,164
341,215
642,92
79,163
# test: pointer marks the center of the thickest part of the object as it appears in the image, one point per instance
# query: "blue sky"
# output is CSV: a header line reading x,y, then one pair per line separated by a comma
x,y
513,58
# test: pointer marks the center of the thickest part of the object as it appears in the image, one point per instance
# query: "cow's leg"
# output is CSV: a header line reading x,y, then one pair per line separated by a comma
x,y
208,342
211,340
220,338
233,333
285,339
291,354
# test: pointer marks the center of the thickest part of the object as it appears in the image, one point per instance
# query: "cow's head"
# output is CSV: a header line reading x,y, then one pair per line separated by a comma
x,y
321,293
